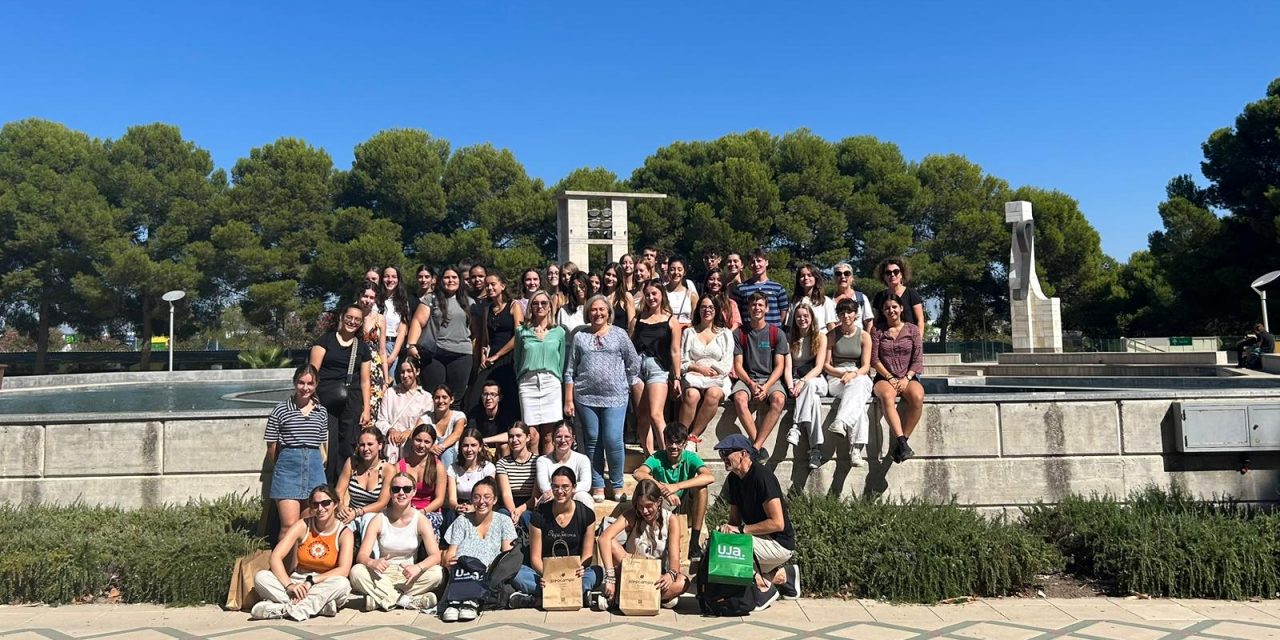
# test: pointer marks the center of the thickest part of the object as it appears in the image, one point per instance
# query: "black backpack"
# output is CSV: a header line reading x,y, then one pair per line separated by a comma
x,y
499,576
725,600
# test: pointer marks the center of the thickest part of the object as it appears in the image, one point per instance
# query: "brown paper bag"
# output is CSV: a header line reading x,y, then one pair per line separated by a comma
x,y
638,594
240,595
562,590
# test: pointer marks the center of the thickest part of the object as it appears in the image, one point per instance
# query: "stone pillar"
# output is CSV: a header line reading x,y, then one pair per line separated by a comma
x,y
574,236
572,232
1037,319
618,244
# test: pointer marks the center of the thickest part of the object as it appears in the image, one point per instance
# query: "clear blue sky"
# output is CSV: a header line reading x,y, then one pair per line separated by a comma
x,y
1105,101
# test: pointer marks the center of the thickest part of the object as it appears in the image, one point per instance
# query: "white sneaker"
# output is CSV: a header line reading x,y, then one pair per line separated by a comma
x,y
837,427
855,457
266,610
405,602
450,614
467,613
793,437
671,604
427,602
329,610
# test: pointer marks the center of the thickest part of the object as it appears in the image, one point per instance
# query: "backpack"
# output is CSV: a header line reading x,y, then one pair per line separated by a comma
x,y
499,576
745,339
724,600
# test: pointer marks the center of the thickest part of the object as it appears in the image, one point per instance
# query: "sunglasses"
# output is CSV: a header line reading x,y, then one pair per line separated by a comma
x,y
402,489
893,272
540,303
322,504
843,274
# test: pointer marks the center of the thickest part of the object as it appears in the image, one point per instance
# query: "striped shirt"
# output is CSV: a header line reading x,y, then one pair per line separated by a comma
x,y
288,427
773,292
519,477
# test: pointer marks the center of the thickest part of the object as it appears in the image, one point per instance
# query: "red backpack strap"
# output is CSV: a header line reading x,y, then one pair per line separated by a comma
x,y
773,337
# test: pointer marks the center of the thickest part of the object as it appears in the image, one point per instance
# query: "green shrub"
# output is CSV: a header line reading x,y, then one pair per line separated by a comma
x,y
265,358
908,551
1166,543
169,554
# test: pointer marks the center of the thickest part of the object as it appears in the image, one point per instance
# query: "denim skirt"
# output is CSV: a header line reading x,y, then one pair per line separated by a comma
x,y
298,471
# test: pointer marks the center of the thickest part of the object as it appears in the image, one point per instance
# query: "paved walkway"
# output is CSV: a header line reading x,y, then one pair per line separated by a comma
x,y
1012,619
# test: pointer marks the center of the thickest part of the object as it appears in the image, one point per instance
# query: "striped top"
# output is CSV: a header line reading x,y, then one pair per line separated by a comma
x,y
773,292
287,426
519,477
359,497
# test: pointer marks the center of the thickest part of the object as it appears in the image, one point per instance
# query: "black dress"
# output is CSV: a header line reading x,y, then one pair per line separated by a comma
x,y
500,328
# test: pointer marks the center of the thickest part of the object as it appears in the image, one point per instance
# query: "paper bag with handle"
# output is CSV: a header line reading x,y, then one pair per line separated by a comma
x,y
638,592
562,588
240,594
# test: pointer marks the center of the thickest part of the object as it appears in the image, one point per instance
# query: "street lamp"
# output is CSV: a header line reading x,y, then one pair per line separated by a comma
x,y
1257,286
172,297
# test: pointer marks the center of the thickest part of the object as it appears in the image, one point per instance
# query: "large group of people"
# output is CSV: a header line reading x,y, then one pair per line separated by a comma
x,y
469,416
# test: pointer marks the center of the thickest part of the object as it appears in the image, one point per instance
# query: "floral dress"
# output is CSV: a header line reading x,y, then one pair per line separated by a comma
x,y
377,381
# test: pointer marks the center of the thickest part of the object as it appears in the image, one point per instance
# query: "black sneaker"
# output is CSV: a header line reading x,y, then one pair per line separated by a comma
x,y
895,451
762,455
905,452
765,598
815,457
520,600
695,553
790,589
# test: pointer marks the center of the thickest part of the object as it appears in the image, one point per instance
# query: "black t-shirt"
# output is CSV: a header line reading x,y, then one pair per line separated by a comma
x,y
1266,342
909,300
488,428
337,358
544,520
750,492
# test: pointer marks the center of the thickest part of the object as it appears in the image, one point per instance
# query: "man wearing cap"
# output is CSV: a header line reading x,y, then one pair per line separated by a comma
x,y
756,507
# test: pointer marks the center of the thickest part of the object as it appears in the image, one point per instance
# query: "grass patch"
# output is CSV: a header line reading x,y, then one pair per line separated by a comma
x,y
908,551
170,554
1166,543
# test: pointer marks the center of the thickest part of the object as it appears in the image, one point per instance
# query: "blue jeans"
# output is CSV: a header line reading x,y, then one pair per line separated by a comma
x,y
528,580
602,440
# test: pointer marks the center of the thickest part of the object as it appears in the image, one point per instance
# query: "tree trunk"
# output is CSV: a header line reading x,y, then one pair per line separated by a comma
x,y
42,337
147,331
944,320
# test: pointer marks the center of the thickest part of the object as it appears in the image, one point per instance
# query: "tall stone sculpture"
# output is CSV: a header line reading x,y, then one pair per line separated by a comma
x,y
578,226
1037,319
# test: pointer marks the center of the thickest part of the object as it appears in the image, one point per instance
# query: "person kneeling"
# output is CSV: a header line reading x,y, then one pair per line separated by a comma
x,y
563,527
651,531
318,582
756,507
393,579
683,479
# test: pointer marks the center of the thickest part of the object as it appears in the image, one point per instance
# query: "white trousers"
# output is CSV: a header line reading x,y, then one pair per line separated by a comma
x,y
323,597
807,416
386,588
852,408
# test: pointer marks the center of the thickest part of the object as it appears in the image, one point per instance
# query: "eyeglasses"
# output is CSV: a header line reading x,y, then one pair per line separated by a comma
x,y
893,272
724,455
563,438
322,504
562,488
843,274
489,394
540,303
402,489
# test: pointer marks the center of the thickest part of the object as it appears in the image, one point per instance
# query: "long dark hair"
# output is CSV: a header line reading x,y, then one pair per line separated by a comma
x,y
566,286
817,295
442,298
397,298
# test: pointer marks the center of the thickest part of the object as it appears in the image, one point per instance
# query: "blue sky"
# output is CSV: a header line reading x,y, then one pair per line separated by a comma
x,y
1104,101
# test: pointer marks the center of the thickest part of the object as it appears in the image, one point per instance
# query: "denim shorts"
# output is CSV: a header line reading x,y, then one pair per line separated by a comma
x,y
651,371
298,470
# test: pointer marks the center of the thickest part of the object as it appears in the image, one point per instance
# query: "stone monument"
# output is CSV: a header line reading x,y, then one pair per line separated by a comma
x,y
1037,319
578,226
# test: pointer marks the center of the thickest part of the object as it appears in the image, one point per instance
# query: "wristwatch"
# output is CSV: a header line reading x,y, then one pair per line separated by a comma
x,y
311,581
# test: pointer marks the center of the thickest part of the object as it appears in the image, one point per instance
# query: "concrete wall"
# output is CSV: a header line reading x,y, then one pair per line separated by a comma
x,y
984,450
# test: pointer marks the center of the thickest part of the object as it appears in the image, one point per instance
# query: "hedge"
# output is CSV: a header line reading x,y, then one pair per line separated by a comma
x,y
169,554
1164,542
909,551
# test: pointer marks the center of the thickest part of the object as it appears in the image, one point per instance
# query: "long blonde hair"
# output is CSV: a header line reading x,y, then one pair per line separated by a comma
x,y
794,330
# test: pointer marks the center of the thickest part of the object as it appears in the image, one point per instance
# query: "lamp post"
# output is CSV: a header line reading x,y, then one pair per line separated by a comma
x,y
172,297
1257,285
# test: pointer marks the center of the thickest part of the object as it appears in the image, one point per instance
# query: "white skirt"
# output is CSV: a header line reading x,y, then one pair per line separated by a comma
x,y
541,398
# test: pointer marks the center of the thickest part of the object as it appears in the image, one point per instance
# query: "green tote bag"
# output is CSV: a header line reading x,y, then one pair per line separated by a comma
x,y
730,559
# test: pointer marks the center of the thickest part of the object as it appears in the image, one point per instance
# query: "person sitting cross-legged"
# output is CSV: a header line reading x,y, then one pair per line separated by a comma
x,y
759,359
393,579
317,583
646,529
683,479
561,527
